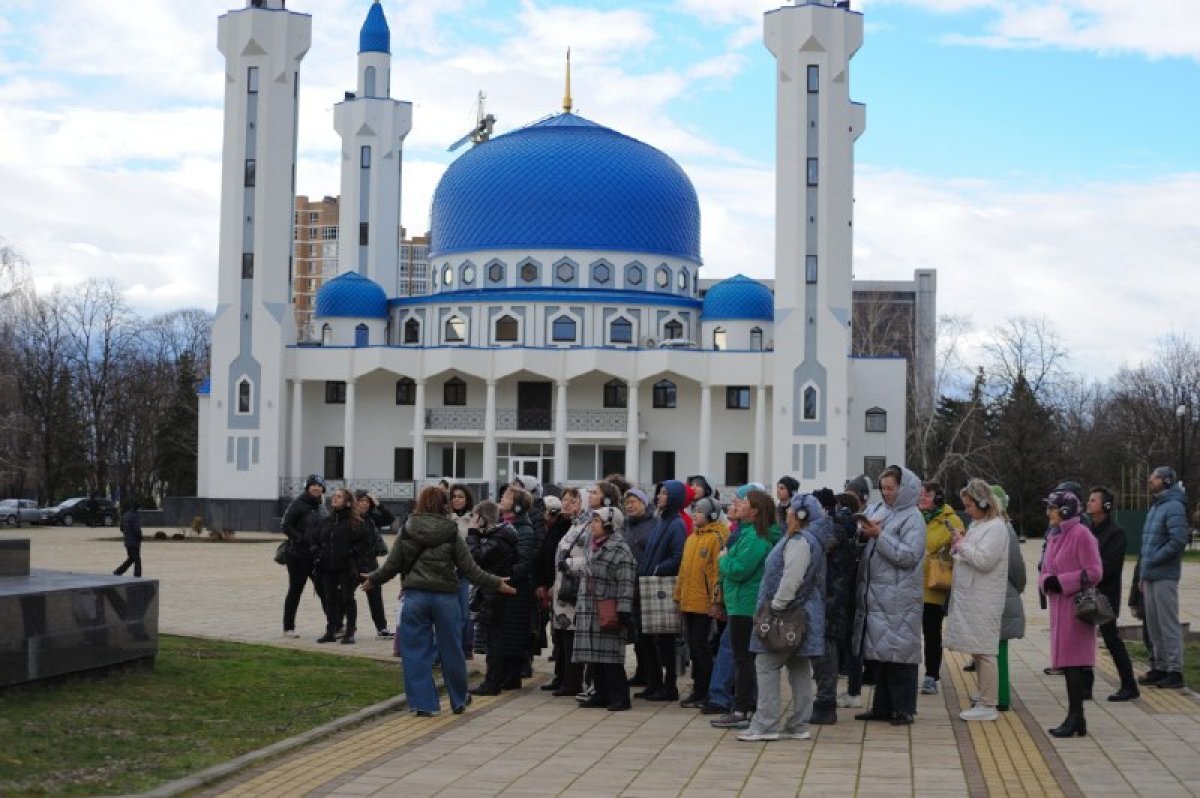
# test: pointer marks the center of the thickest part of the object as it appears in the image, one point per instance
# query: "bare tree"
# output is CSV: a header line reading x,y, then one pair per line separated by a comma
x,y
1027,348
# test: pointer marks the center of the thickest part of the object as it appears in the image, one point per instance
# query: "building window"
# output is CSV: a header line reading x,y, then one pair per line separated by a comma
x,y
662,467
249,173
810,269
412,332
564,272
329,233
616,394
402,465
601,273
364,157
737,397
406,391
243,396
529,271
335,392
756,342
252,80
662,277
468,274
876,420
364,233
810,404
362,335
635,274
673,330
496,272
664,394
326,335
873,467
335,462
456,330
247,265
507,329
369,82
814,86
812,171
683,281
720,338
447,276
621,331
737,468
454,393
563,329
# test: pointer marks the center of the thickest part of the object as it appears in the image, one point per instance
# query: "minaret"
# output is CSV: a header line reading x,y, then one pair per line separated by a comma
x,y
372,126
816,126
242,421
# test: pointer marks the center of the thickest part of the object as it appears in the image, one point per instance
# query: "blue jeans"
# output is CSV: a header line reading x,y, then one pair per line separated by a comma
x,y
720,685
426,615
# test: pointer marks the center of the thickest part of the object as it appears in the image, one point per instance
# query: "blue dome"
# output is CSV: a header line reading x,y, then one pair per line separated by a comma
x,y
351,295
375,37
565,183
738,298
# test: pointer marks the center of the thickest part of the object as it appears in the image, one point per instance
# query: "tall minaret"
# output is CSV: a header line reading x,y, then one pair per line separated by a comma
x,y
372,126
242,443
816,126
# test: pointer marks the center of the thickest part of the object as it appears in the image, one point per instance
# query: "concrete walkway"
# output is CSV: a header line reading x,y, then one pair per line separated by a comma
x,y
530,744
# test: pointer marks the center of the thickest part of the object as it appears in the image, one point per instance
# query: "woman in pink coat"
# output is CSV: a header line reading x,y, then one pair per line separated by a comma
x,y
1071,552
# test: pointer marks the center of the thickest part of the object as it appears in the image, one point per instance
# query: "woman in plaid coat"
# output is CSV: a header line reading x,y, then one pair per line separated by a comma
x,y
609,573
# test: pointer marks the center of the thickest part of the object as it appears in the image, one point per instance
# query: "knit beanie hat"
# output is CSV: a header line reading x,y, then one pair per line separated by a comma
x,y
744,490
610,516
530,484
1066,503
790,482
1001,497
638,494
708,508
314,479
806,507
860,486
553,504
979,492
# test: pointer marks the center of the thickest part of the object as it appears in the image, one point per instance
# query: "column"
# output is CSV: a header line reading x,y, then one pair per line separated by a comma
x,y
759,466
418,434
560,432
489,437
297,441
702,462
348,435
632,444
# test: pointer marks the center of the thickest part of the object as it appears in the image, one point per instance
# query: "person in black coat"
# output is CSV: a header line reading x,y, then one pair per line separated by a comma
x,y
841,572
1111,539
131,533
302,524
494,546
373,513
344,543
516,632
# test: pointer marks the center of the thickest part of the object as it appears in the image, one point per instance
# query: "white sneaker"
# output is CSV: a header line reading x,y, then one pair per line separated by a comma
x,y
290,633
980,712
847,701
757,737
796,735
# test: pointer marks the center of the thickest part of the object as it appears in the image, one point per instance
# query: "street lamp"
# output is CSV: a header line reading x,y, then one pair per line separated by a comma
x,y
1181,413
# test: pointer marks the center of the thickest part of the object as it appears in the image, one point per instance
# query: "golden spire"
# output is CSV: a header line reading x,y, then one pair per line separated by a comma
x,y
567,104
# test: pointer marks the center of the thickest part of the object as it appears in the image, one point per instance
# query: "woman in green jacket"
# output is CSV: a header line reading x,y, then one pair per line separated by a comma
x,y
741,571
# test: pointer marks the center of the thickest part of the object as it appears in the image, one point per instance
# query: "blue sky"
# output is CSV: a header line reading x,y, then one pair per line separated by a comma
x,y
1026,150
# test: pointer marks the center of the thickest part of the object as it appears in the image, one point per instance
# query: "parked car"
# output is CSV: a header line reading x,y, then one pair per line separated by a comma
x,y
93,512
25,511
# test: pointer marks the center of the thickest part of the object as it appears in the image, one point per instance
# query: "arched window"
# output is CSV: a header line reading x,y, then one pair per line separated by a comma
x,y
243,395
810,403
456,330
662,277
756,342
616,393
369,81
507,329
362,335
673,329
563,329
620,331
406,391
683,281
412,332
326,335
454,392
601,273
664,394
720,338
876,420
529,271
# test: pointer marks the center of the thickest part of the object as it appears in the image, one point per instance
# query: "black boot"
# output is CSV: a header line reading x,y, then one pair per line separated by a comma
x,y
823,714
1074,724
1089,681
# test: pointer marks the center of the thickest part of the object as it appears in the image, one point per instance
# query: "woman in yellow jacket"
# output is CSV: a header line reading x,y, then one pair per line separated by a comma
x,y
940,523
696,592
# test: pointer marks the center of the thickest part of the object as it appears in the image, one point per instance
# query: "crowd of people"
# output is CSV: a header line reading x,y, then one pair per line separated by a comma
x,y
740,593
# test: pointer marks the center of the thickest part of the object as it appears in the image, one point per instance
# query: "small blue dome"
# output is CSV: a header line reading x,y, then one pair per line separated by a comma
x,y
565,183
375,37
738,298
351,295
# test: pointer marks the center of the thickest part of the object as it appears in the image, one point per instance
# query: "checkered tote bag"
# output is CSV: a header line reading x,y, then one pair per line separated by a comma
x,y
660,614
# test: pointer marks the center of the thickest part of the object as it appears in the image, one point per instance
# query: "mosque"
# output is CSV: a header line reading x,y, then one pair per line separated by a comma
x,y
568,332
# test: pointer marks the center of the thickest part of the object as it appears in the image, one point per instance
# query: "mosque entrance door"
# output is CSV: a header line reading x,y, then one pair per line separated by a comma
x,y
525,467
534,405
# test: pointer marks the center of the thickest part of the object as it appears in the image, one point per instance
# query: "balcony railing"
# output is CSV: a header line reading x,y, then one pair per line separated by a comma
x,y
511,418
382,488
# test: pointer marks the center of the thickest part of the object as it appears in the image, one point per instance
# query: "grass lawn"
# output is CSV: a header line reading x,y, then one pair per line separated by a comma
x,y
1191,661
204,703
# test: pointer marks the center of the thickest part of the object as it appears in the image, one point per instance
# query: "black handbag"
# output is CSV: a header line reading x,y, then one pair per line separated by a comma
x,y
281,552
1091,606
780,632
568,587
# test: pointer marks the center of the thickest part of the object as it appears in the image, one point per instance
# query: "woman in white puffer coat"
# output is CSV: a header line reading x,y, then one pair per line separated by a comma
x,y
978,593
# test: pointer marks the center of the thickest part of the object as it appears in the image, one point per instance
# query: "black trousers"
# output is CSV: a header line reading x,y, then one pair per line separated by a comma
x,y
339,600
895,688
697,628
745,681
1116,648
931,627
300,570
660,661
572,672
611,685
133,556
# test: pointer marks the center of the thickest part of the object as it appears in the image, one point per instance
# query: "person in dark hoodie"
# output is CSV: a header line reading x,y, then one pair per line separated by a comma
x,y
494,545
344,543
429,556
664,553
369,511
516,634
131,534
302,524
841,570
639,525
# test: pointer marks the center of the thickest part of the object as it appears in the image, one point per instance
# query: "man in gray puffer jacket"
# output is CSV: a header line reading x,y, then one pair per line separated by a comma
x,y
1163,540
887,623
